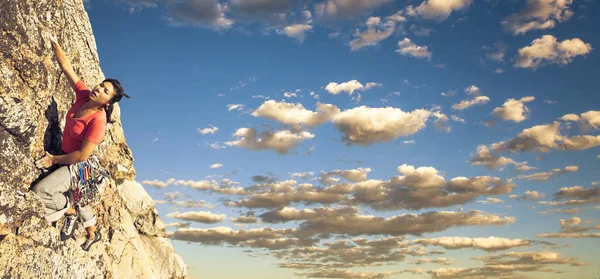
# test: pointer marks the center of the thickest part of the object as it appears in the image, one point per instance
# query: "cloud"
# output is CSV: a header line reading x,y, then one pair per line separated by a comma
x,y
473,90
155,183
216,166
202,13
489,244
375,33
302,175
349,87
237,107
408,48
201,216
457,119
354,175
569,235
210,130
347,274
346,9
178,225
547,50
491,200
437,9
505,265
590,118
538,15
225,186
529,195
260,9
418,178
292,214
221,235
486,158
274,199
295,114
441,122
278,141
542,138
499,54
543,176
577,195
297,31
365,125
350,223
247,219
514,110
464,104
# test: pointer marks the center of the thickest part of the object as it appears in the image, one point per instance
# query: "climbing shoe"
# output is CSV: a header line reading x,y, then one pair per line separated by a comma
x,y
89,242
69,227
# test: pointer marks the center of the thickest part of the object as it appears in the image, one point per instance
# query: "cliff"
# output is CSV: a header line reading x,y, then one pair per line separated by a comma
x,y
34,98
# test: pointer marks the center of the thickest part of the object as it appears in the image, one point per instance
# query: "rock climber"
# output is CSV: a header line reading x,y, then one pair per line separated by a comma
x,y
84,129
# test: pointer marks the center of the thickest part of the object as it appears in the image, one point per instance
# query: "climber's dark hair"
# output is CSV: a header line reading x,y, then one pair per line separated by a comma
x,y
119,93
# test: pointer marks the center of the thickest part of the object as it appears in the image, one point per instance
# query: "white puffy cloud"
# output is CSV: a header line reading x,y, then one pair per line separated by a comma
x,y
514,110
542,138
421,177
408,47
464,104
295,114
375,33
349,87
437,9
201,216
297,31
210,130
216,166
591,118
488,244
538,15
231,107
570,117
278,141
365,125
547,50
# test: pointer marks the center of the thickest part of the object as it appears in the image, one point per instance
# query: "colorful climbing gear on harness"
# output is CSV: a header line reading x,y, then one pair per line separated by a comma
x,y
87,181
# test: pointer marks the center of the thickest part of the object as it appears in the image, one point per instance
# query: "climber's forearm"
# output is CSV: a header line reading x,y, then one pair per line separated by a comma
x,y
68,159
87,147
65,64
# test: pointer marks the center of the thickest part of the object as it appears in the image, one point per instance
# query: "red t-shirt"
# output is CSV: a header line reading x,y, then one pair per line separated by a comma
x,y
90,127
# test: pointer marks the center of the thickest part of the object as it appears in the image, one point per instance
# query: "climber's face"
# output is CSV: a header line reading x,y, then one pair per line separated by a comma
x,y
102,93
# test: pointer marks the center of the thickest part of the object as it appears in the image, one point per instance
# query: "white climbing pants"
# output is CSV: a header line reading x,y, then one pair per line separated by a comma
x,y
52,189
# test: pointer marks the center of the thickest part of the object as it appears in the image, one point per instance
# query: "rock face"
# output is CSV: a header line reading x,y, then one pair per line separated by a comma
x,y
34,98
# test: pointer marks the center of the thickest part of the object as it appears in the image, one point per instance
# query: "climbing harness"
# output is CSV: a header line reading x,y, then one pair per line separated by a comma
x,y
87,181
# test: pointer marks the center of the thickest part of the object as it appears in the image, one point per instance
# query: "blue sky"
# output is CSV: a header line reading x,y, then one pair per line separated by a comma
x,y
382,108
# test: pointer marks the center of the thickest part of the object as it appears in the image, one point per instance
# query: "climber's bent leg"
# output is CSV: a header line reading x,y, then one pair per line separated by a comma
x,y
51,190
87,215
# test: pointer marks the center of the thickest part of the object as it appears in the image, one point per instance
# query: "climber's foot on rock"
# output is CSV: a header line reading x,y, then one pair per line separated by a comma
x,y
90,241
69,227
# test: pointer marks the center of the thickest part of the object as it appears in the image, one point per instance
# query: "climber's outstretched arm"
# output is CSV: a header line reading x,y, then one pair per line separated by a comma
x,y
63,61
87,147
